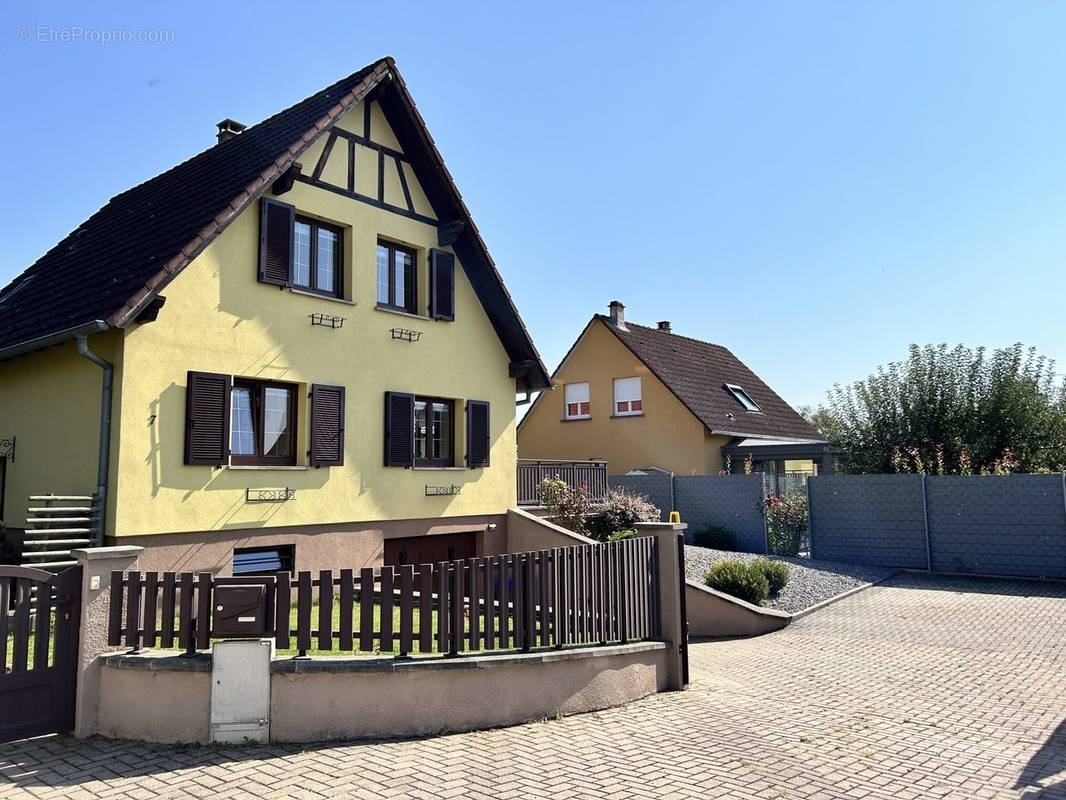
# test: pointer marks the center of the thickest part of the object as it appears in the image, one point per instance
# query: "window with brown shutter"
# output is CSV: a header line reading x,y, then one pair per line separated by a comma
x,y
441,285
276,241
478,441
327,426
399,429
207,418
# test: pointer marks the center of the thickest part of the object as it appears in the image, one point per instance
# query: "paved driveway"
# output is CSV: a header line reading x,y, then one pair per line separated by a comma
x,y
922,688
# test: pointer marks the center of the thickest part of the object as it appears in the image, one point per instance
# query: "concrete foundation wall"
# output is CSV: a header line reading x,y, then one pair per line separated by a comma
x,y
713,613
336,698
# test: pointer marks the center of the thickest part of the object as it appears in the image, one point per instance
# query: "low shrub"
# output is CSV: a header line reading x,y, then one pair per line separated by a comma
x,y
567,506
786,523
621,536
715,538
739,579
620,511
776,572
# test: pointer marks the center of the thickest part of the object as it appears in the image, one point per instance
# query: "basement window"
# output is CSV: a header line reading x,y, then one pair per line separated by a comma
x,y
263,560
743,397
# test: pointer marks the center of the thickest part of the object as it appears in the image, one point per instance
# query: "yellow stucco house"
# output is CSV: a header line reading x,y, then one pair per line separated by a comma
x,y
640,397
291,350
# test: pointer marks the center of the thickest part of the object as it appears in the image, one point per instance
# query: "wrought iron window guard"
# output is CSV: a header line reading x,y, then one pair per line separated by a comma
x,y
269,495
405,334
442,491
7,449
327,320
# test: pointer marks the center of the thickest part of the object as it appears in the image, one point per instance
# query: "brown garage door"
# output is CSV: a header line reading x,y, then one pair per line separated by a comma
x,y
429,549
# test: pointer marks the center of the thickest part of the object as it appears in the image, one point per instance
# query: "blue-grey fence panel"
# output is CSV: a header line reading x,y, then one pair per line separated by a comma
x,y
877,520
1001,524
653,485
732,502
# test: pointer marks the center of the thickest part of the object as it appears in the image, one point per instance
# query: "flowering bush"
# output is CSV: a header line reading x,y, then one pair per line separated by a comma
x,y
786,523
567,506
620,511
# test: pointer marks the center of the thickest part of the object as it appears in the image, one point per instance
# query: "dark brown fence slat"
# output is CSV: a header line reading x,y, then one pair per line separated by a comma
x,y
114,619
185,639
133,608
203,610
282,609
543,598
366,609
518,598
166,614
5,603
458,607
425,608
387,575
529,584
20,648
611,589
502,598
490,603
151,601
656,608
346,601
325,610
581,568
42,634
407,608
443,616
303,611
473,569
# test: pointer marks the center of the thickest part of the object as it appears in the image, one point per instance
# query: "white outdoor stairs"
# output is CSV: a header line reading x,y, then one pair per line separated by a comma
x,y
55,525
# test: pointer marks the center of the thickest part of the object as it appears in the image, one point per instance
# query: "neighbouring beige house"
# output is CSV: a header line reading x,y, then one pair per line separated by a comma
x,y
642,397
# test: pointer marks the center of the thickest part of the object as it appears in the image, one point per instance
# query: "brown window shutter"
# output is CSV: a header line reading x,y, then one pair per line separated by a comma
x,y
276,241
441,285
478,441
207,409
399,429
327,426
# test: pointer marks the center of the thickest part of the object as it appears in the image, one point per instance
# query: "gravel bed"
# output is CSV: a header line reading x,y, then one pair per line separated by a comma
x,y
810,582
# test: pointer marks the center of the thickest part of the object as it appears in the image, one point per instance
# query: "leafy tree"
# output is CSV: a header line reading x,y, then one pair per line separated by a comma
x,y
950,411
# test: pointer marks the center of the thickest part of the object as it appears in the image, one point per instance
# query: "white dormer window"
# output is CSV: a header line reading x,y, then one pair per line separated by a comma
x,y
742,397
577,401
627,400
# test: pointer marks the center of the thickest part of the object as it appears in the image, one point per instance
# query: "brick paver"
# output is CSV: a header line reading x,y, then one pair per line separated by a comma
x,y
920,688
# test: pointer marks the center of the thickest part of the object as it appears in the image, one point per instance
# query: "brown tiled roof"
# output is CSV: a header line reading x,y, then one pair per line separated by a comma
x,y
696,372
114,262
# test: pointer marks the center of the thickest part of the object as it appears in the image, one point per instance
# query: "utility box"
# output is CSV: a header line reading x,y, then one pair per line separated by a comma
x,y
240,690
239,610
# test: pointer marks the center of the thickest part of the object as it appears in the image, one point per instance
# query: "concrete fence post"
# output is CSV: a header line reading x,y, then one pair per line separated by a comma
x,y
671,585
97,564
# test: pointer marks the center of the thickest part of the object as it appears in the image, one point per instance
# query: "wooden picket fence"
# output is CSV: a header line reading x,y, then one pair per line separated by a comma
x,y
584,595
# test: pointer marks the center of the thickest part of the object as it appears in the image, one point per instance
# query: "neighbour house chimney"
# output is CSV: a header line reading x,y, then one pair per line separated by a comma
x,y
228,128
664,326
618,314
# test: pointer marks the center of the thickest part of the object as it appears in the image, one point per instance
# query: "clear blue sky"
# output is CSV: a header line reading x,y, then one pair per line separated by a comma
x,y
813,185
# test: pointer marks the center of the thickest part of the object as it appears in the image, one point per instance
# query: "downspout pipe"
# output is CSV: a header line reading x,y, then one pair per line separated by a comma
x,y
103,463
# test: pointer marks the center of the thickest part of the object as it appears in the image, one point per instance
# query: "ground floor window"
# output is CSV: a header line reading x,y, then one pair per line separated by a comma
x,y
262,423
434,432
263,560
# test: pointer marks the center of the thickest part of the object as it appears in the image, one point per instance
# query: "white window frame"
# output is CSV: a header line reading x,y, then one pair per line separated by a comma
x,y
743,398
628,397
578,394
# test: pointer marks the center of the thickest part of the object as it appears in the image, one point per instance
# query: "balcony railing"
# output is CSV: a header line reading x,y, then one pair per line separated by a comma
x,y
592,475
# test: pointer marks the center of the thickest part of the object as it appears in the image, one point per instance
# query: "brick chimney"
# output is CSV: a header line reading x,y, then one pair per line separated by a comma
x,y
228,128
664,326
618,314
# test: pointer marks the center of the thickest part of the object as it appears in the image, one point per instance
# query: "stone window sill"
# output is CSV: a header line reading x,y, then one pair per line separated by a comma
x,y
326,297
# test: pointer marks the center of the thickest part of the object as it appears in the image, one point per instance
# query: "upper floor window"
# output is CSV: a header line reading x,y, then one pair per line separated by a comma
x,y
262,422
742,397
316,259
396,277
434,432
627,401
577,401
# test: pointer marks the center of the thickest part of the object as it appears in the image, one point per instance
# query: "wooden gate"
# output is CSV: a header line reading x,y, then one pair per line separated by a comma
x,y
39,621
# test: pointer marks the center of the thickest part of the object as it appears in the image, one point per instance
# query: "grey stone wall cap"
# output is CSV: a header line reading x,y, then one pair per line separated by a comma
x,y
332,664
158,661
97,553
661,526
